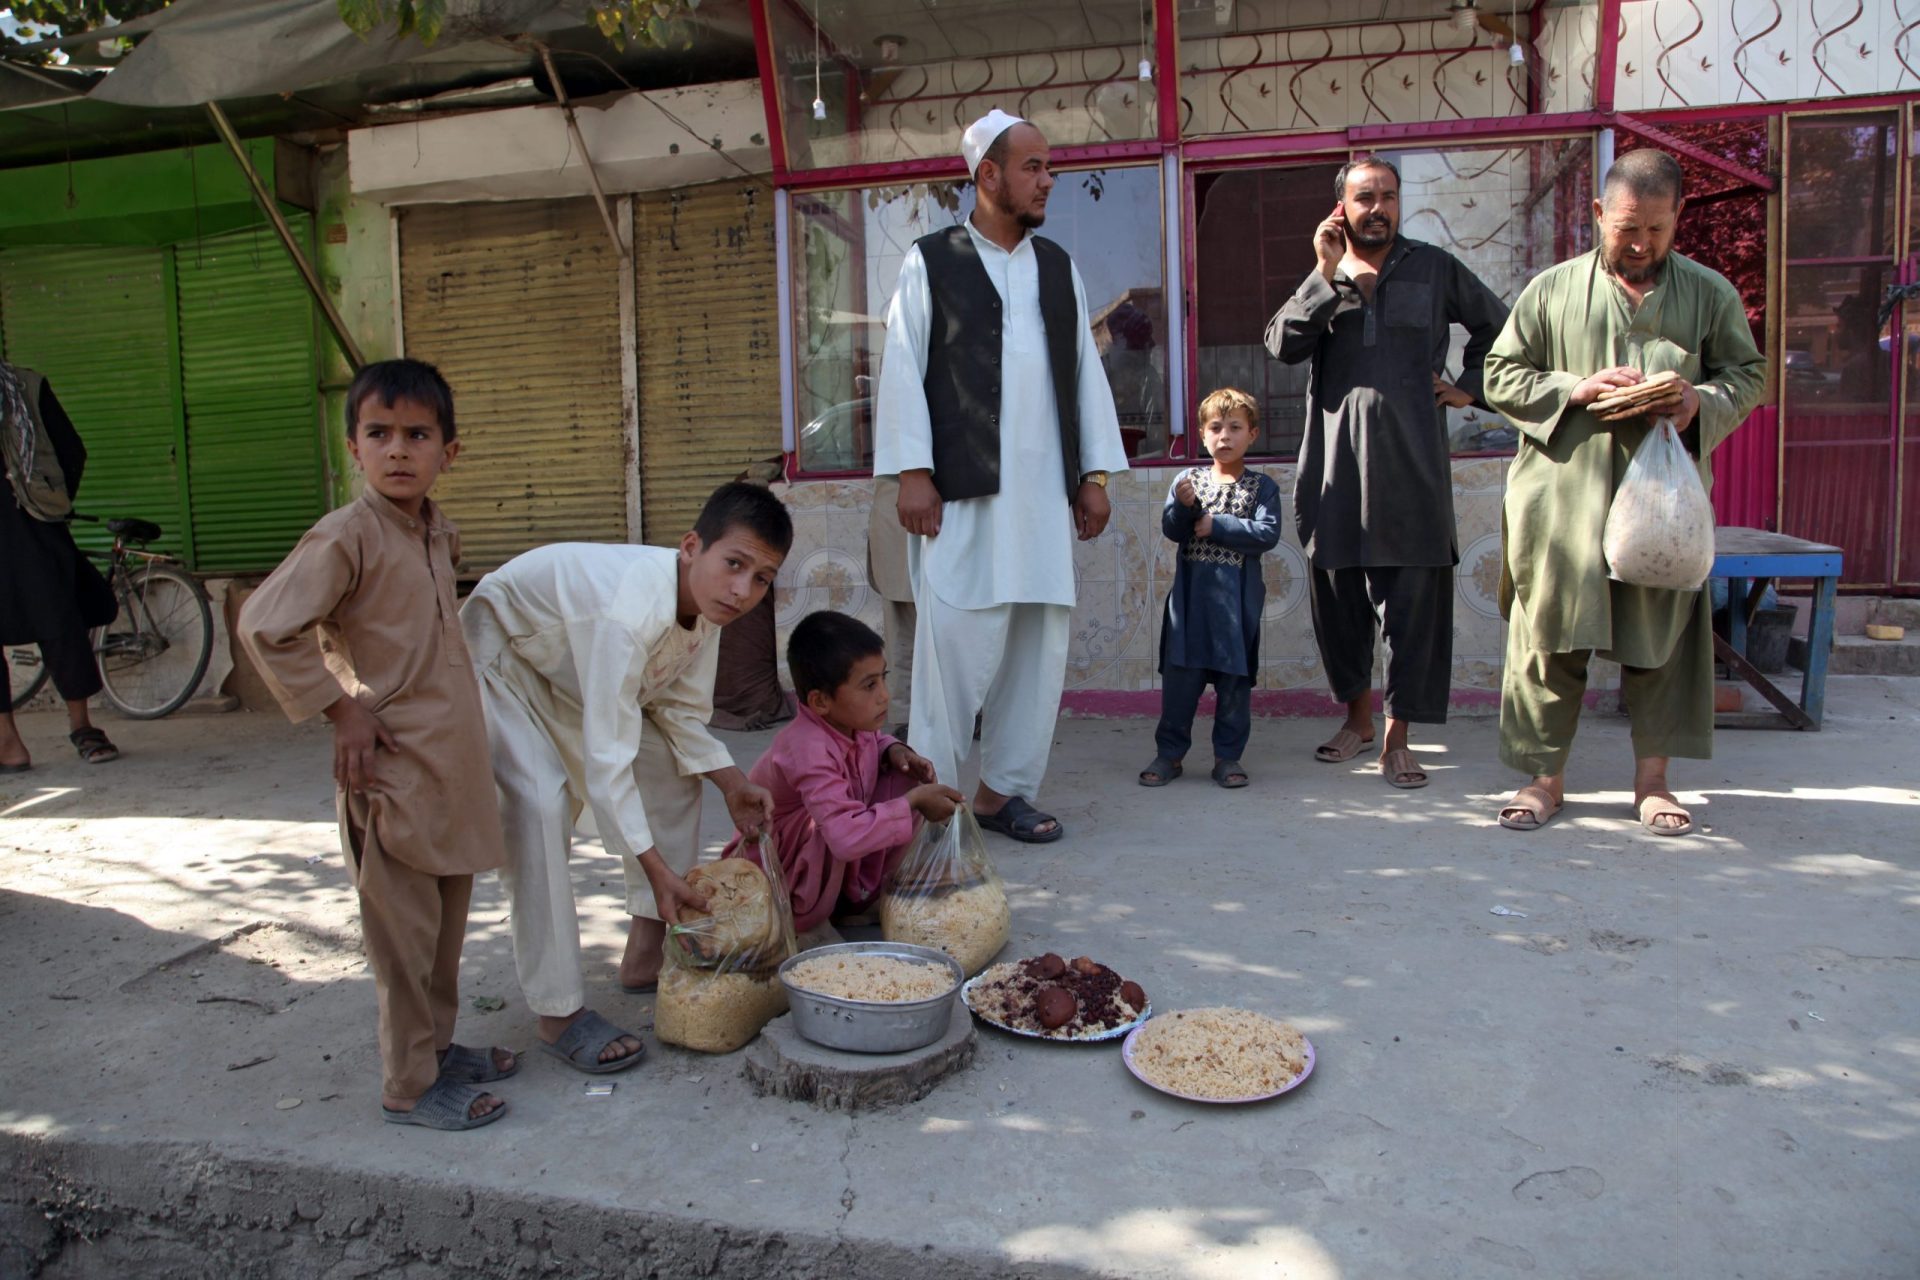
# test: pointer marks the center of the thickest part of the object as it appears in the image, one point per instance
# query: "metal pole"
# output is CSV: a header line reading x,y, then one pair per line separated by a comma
x,y
224,127
573,126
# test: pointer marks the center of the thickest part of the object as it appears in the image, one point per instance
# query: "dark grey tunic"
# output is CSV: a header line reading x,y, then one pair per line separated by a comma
x,y
1375,481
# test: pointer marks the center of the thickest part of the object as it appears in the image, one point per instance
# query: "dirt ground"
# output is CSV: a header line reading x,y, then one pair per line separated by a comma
x,y
1695,1057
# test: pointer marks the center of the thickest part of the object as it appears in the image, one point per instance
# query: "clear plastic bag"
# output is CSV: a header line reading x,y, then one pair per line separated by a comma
x,y
719,985
1660,527
944,893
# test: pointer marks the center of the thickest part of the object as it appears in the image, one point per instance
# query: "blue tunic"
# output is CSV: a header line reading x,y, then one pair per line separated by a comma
x,y
1213,610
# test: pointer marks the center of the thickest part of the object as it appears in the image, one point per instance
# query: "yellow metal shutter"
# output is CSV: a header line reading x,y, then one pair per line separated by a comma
x,y
709,345
518,304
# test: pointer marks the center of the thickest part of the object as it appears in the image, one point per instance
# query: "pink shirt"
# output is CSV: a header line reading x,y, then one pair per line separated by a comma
x,y
840,817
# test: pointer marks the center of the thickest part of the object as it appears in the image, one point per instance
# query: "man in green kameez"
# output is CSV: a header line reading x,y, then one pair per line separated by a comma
x,y
1607,319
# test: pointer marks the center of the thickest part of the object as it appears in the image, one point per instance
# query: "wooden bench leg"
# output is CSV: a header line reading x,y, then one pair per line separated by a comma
x,y
1813,685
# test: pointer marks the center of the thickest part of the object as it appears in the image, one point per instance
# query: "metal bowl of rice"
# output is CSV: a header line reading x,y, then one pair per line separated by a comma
x,y
871,997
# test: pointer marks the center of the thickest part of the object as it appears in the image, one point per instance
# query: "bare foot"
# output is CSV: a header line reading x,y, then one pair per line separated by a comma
x,y
484,1105
551,1029
641,962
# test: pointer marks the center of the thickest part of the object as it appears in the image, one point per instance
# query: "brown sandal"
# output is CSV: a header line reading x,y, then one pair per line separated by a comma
x,y
1531,808
1400,770
1341,747
1657,805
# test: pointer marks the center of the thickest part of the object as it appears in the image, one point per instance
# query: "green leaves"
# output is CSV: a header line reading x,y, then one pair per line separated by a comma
x,y
651,24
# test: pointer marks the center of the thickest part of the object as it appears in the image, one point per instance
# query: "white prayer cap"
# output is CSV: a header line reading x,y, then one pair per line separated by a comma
x,y
981,134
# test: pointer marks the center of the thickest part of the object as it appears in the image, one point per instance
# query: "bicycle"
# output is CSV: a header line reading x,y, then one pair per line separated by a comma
x,y
155,652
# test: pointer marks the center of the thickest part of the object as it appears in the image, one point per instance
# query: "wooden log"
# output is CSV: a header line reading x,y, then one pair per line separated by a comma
x,y
784,1064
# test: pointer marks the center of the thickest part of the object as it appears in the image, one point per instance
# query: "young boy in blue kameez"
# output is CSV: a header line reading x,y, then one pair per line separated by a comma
x,y
1224,518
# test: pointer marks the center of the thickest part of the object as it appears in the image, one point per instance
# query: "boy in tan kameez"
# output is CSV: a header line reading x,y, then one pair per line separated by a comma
x,y
389,667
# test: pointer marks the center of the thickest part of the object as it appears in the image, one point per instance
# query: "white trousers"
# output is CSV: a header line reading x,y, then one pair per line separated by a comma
x,y
539,805
1007,662
897,625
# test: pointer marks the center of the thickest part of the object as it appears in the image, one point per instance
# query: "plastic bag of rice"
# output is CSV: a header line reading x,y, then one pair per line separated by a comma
x,y
719,986
1660,527
945,894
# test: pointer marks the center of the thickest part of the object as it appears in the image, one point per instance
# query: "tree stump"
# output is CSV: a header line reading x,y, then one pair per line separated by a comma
x,y
785,1064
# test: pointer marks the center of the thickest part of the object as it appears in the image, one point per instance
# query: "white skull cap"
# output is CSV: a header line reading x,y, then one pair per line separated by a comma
x,y
981,134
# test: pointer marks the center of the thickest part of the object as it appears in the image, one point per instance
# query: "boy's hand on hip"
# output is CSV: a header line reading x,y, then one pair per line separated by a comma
x,y
357,734
671,894
934,802
1091,510
919,504
751,808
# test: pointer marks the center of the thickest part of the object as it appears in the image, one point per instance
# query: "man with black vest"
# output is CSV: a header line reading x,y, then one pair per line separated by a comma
x,y
995,415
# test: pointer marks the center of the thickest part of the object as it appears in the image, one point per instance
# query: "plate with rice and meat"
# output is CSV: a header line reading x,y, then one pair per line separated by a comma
x,y
1047,998
1218,1055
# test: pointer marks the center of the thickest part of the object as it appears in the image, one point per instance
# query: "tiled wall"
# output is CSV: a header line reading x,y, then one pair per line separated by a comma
x,y
1125,573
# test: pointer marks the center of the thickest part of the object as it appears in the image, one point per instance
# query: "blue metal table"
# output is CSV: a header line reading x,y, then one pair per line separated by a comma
x,y
1750,559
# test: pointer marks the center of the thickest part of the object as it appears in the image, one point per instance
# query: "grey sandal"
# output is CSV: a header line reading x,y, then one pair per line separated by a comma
x,y
581,1045
1161,772
447,1105
473,1066
1229,774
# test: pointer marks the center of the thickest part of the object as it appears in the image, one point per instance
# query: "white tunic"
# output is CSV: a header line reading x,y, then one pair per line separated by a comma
x,y
586,634
1015,546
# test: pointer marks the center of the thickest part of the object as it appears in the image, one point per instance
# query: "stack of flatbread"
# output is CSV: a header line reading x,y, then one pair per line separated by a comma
x,y
1630,402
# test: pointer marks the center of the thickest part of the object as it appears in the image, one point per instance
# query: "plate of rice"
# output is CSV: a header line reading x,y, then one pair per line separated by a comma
x,y
1218,1055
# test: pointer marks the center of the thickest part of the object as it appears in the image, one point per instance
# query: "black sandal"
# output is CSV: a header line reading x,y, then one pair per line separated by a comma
x,y
1020,821
1161,772
1229,774
92,744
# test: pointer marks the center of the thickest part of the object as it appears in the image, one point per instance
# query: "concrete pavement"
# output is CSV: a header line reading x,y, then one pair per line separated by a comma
x,y
1691,1058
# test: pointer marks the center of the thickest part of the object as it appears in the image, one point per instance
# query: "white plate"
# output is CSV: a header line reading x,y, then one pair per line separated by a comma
x,y
1111,1033
1126,1056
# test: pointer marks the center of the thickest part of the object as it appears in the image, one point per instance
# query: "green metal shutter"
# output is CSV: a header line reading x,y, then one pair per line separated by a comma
x,y
256,466
98,321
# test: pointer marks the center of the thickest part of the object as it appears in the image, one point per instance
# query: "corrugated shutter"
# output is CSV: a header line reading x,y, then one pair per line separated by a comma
x,y
255,468
518,304
709,345
98,321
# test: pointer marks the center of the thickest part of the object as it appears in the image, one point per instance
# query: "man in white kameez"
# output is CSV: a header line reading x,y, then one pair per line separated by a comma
x,y
996,416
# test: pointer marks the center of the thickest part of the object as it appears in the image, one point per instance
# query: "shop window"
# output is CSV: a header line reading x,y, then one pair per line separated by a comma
x,y
899,82
847,247
1507,212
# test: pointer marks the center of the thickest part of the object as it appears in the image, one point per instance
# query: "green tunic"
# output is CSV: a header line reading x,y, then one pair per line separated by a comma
x,y
1571,321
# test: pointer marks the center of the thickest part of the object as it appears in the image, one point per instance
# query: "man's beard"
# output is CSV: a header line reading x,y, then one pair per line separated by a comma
x,y
1031,218
1375,234
1635,275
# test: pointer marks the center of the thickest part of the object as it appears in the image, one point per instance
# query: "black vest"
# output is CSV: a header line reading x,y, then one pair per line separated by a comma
x,y
963,362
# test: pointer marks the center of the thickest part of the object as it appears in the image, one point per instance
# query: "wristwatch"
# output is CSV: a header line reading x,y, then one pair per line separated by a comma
x,y
1097,477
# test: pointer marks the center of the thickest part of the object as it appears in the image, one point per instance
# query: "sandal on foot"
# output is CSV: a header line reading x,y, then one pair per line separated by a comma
x,y
1020,821
1401,771
25,766
93,746
474,1066
1531,808
1342,746
581,1045
447,1105
1658,805
640,988
1160,772
1229,774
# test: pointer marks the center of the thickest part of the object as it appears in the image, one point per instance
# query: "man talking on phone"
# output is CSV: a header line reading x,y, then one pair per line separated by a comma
x,y
1373,495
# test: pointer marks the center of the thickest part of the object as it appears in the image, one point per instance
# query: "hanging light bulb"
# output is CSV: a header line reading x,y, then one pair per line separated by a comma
x,y
819,101
819,108
1146,71
1465,16
1516,55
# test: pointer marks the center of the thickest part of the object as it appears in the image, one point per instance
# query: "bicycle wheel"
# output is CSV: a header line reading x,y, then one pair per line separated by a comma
x,y
154,653
26,674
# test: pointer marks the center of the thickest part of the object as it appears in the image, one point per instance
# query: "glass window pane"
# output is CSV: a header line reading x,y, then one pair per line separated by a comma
x,y
847,250
1508,213
899,82
1840,185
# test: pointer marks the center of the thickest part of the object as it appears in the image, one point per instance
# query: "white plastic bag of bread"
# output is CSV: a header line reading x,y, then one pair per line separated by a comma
x,y
719,985
1659,529
944,893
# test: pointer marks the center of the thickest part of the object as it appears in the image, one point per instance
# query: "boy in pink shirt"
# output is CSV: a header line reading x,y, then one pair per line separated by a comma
x,y
845,795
